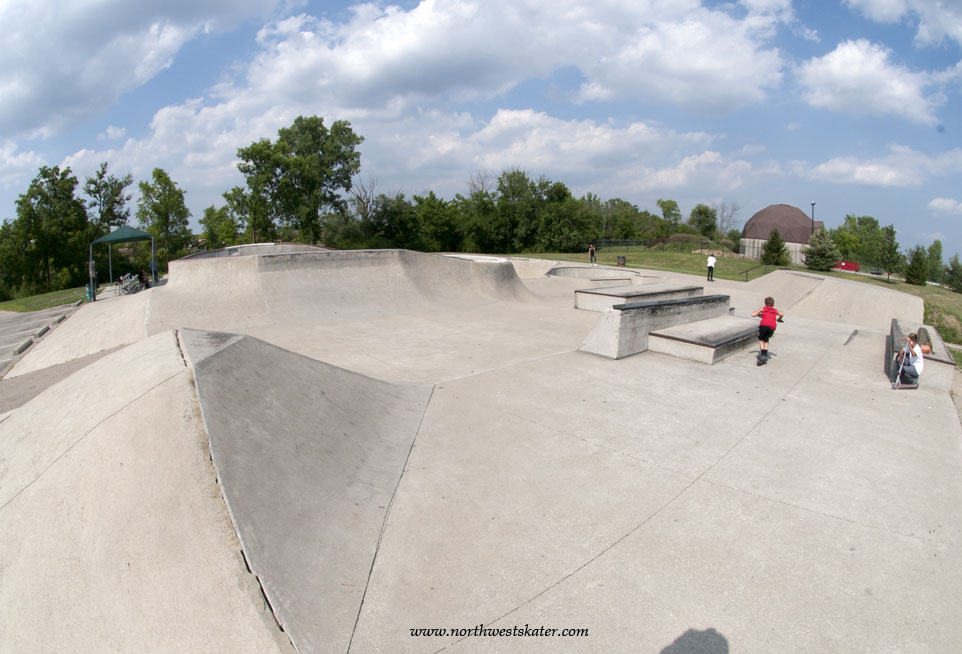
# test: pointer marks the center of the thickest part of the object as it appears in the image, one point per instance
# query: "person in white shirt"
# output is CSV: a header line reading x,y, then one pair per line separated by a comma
x,y
711,267
910,361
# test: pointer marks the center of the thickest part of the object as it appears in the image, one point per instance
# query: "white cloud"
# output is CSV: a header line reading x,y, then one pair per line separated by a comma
x,y
16,168
61,61
395,74
707,171
946,206
936,19
902,167
112,133
858,78
442,50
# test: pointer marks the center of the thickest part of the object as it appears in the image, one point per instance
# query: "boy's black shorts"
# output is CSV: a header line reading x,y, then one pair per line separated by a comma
x,y
765,332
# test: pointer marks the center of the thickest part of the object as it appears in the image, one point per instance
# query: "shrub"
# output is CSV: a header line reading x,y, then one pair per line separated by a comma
x,y
775,252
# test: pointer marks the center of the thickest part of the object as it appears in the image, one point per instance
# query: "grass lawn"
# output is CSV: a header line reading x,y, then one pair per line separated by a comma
x,y
682,262
44,301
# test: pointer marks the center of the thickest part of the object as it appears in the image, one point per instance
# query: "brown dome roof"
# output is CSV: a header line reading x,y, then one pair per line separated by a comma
x,y
792,223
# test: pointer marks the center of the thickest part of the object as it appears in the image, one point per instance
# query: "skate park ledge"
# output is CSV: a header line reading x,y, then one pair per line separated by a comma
x,y
623,330
599,299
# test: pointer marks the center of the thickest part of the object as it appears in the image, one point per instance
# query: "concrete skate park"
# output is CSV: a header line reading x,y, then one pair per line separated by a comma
x,y
299,450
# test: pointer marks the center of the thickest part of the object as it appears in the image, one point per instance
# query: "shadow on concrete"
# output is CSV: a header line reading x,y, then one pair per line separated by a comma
x,y
693,641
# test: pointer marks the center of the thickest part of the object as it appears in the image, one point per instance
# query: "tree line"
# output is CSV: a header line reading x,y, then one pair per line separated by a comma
x,y
860,239
305,186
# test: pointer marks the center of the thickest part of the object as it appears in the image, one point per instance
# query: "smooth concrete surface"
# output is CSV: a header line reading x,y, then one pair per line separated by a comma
x,y
19,331
660,504
308,490
113,533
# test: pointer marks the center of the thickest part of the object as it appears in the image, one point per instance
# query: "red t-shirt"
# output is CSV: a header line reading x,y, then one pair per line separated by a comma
x,y
769,316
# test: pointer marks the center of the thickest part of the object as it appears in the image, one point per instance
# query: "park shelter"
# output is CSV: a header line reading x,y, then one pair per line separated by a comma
x,y
123,234
794,226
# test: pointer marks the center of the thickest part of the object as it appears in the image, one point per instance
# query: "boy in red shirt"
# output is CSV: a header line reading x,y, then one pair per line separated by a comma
x,y
770,315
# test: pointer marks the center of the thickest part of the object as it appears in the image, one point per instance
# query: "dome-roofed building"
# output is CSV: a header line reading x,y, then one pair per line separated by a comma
x,y
793,225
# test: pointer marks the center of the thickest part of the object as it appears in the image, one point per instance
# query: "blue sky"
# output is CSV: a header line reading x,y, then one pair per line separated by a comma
x,y
856,104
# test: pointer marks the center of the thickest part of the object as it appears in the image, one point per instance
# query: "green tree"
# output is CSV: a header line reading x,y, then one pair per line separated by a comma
x,y
220,227
564,224
775,252
935,261
735,236
847,243
52,224
393,224
302,175
917,270
704,219
670,212
439,223
107,204
890,259
482,230
317,164
161,210
251,208
518,201
13,266
953,274
821,253
859,239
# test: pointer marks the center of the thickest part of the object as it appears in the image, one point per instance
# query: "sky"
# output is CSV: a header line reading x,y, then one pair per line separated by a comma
x,y
855,105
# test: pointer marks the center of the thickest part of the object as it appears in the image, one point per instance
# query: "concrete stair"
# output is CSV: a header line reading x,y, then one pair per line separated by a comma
x,y
707,341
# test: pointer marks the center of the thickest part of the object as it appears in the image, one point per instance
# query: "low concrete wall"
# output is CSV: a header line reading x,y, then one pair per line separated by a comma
x,y
251,249
623,330
596,273
939,364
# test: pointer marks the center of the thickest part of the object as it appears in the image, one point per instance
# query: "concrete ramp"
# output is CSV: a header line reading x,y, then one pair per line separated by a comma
x,y
291,290
94,327
308,456
113,533
856,303
818,297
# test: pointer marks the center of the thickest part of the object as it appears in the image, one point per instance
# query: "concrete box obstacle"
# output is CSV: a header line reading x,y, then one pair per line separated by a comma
x,y
623,329
599,299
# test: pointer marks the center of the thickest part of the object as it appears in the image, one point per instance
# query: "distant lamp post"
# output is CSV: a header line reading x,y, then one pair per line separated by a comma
x,y
813,217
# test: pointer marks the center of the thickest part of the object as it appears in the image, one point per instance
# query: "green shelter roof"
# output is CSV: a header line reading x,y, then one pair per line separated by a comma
x,y
125,234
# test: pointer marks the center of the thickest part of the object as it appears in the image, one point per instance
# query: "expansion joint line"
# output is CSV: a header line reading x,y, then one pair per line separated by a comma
x,y
653,514
387,514
87,433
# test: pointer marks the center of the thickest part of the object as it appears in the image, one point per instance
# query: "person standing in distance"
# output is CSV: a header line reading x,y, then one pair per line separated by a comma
x,y
591,254
711,267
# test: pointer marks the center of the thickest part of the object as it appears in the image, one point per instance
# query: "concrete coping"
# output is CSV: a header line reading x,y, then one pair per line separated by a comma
x,y
698,299
636,290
